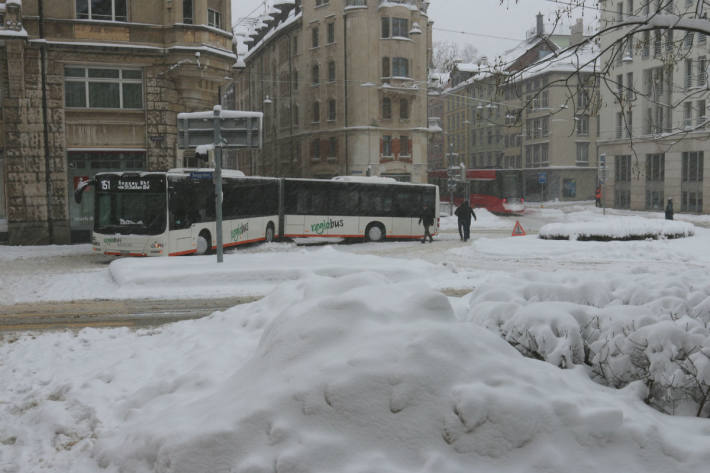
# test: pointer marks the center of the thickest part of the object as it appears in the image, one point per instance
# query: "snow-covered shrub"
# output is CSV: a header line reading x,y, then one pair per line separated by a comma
x,y
624,331
618,228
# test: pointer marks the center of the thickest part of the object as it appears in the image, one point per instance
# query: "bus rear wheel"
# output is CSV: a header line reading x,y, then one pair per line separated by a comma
x,y
375,232
269,236
204,243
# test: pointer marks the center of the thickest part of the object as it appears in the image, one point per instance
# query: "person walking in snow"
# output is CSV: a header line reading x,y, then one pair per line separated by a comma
x,y
669,210
598,196
427,219
464,214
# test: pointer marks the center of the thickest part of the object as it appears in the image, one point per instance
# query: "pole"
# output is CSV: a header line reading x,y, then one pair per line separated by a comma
x,y
218,180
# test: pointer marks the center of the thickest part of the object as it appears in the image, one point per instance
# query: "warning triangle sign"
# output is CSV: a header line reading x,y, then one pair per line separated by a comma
x,y
518,229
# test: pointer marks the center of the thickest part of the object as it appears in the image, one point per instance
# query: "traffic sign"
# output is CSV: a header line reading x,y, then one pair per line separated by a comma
x,y
518,229
542,178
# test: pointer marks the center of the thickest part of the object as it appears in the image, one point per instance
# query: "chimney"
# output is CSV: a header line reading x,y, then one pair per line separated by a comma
x,y
577,33
540,25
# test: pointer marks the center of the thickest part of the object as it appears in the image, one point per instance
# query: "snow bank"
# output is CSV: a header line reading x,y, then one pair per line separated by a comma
x,y
351,373
617,228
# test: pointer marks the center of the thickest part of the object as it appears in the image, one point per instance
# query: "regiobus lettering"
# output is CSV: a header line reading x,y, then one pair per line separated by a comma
x,y
239,231
321,227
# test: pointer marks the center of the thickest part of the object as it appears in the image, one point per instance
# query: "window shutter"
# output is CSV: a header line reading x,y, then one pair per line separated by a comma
x,y
382,146
410,146
395,146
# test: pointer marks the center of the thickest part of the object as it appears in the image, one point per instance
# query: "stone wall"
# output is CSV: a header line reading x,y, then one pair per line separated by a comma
x,y
32,217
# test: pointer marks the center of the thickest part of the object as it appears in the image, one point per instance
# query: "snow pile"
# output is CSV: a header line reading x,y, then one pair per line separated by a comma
x,y
351,374
643,329
617,228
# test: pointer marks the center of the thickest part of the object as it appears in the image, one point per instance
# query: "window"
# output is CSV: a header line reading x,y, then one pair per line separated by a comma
x,y
646,44
315,74
386,108
404,144
108,10
385,27
315,150
582,125
331,33
387,145
400,28
295,80
331,110
404,109
320,3
395,28
103,88
622,170
692,170
655,167
314,37
332,148
187,15
702,71
386,68
688,73
214,18
582,154
316,112
620,125
400,67
331,71
687,114
630,86
701,109
569,188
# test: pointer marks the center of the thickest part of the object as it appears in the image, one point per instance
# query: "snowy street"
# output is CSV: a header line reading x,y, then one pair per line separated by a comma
x,y
388,357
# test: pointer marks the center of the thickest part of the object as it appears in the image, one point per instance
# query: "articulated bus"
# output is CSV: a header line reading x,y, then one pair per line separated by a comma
x,y
497,190
173,213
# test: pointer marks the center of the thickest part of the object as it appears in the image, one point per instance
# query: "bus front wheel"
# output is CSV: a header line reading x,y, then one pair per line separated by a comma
x,y
204,243
269,236
375,232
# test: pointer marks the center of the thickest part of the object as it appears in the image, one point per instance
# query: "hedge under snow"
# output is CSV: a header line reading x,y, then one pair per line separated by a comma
x,y
617,228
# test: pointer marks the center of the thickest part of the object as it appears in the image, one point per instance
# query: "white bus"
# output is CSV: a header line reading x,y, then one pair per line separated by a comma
x,y
173,213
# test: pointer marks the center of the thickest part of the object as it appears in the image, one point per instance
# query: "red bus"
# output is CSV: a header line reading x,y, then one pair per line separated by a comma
x,y
499,191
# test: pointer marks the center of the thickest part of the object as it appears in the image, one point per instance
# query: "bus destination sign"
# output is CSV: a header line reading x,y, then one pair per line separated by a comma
x,y
114,183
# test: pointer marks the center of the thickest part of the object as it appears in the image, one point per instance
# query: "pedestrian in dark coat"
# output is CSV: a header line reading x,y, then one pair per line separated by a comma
x,y
427,219
464,214
669,210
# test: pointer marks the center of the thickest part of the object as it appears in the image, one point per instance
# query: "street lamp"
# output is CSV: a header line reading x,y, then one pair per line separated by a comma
x,y
368,85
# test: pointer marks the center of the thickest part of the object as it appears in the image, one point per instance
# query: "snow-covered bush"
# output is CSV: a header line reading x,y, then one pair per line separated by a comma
x,y
617,228
623,331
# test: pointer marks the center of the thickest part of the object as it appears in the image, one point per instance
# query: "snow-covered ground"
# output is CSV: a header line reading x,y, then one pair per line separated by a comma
x,y
354,361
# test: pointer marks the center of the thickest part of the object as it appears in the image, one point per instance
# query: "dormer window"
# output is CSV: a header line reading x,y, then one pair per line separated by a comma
x,y
107,10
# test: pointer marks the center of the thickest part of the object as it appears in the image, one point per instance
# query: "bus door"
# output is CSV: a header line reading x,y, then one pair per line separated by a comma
x,y
406,210
344,204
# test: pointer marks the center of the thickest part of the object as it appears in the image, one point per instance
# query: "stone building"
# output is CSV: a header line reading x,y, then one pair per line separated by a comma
x,y
92,86
654,130
529,111
343,88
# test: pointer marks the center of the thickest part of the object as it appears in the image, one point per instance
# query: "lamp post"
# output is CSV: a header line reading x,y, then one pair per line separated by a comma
x,y
368,85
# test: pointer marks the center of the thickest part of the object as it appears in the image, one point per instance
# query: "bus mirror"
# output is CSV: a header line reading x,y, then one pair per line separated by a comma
x,y
80,188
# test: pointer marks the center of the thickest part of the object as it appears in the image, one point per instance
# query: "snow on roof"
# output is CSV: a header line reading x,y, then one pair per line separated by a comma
x,y
292,18
583,58
365,179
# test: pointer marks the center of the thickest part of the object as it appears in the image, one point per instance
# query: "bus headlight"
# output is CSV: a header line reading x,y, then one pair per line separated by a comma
x,y
94,241
156,245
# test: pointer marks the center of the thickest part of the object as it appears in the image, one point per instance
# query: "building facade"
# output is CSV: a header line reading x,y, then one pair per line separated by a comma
x,y
343,88
536,117
96,86
654,131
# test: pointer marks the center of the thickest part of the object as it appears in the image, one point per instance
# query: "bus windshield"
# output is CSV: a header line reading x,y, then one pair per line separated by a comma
x,y
125,208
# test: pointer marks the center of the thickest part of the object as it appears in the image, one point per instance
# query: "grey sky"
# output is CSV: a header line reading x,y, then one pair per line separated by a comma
x,y
487,22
